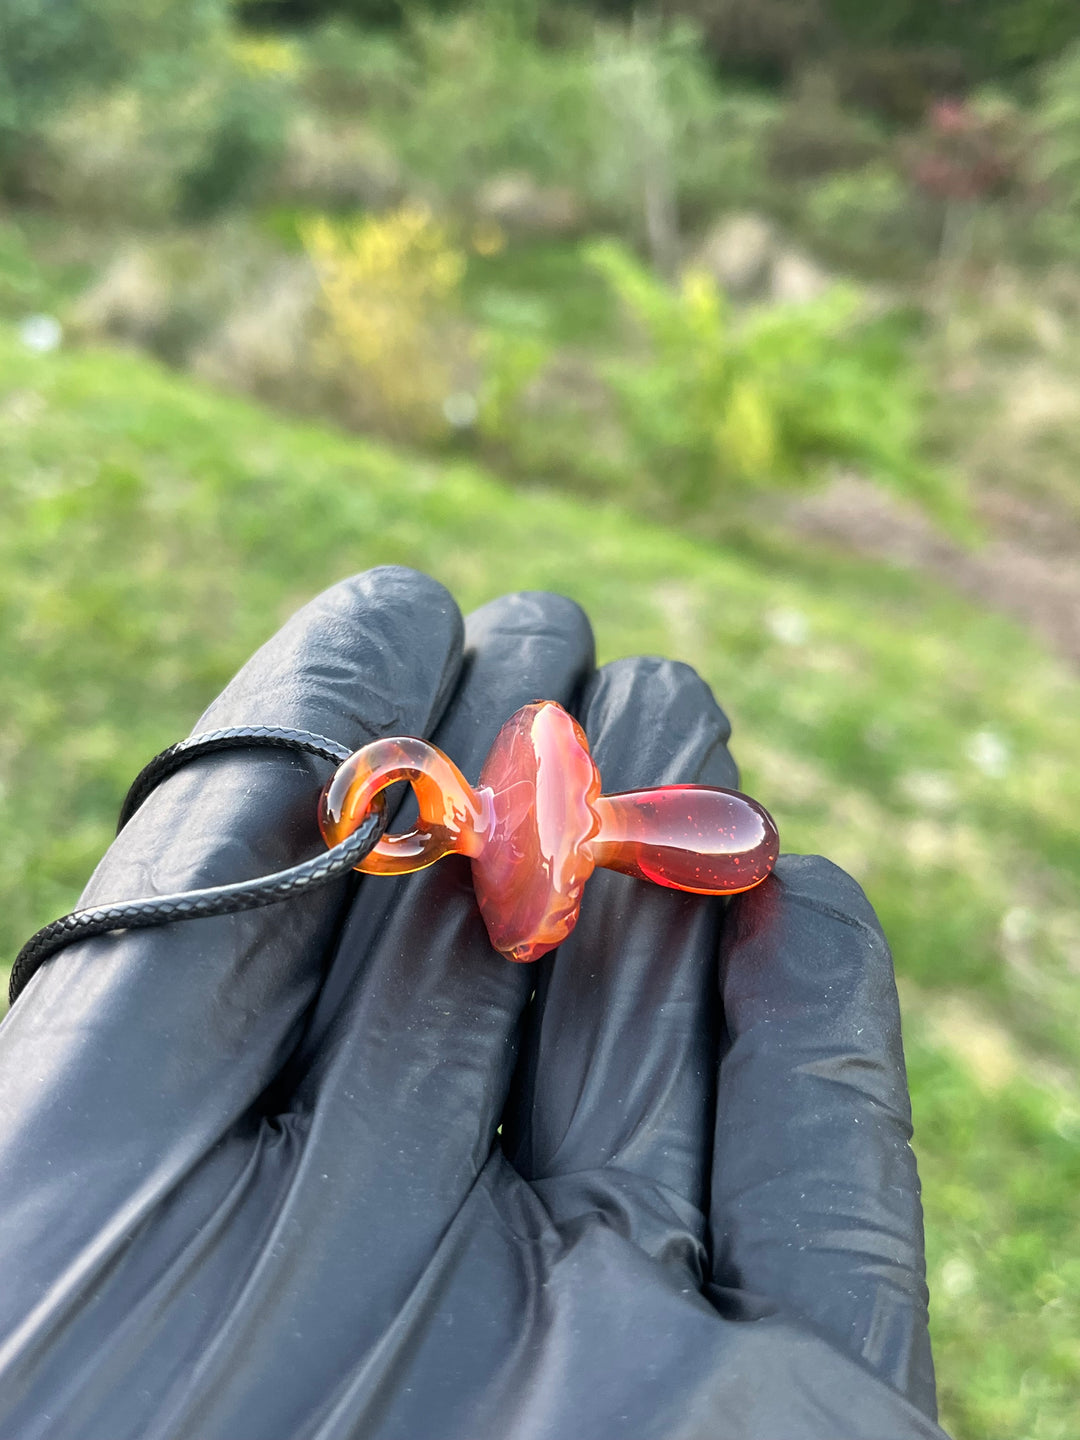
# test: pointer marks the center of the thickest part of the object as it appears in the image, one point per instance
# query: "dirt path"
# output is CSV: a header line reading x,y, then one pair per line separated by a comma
x,y
1030,568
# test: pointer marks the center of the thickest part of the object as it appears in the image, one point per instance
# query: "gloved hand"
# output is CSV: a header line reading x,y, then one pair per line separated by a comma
x,y
253,1184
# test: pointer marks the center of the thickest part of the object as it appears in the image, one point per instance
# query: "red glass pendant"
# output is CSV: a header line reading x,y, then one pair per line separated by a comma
x,y
536,826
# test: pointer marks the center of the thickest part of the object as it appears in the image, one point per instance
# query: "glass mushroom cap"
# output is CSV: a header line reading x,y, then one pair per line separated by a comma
x,y
536,826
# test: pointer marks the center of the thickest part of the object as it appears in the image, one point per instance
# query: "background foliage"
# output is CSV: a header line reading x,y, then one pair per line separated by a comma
x,y
749,323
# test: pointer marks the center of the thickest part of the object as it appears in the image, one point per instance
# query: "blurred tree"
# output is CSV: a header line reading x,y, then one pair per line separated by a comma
x,y
816,135
896,55
993,35
766,39
899,83
990,36
241,149
965,154
49,53
271,13
1058,123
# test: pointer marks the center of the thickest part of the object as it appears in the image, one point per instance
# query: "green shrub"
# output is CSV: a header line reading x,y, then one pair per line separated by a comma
x,y
173,293
510,361
22,285
816,135
716,405
347,69
118,155
244,143
993,35
488,100
1057,122
765,38
52,53
184,137
868,218
619,120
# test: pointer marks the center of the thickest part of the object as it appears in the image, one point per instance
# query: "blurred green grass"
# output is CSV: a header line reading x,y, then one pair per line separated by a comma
x,y
152,533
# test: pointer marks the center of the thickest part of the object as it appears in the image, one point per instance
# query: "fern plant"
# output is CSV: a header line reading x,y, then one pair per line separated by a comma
x,y
716,402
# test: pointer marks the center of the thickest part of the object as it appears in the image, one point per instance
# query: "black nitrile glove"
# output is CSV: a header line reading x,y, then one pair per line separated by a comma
x,y
252,1181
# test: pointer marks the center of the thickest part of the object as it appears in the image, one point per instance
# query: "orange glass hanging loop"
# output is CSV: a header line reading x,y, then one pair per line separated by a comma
x,y
451,819
537,825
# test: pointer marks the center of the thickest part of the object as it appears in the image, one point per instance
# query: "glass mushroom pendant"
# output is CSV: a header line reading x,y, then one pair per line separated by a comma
x,y
536,826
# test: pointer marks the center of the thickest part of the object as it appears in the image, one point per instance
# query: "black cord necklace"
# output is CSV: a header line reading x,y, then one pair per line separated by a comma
x,y
219,899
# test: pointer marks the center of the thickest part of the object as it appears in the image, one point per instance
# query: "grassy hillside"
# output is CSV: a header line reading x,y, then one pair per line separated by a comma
x,y
152,533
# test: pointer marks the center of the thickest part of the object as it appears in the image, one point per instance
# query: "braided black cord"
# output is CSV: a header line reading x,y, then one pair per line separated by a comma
x,y
212,742
219,899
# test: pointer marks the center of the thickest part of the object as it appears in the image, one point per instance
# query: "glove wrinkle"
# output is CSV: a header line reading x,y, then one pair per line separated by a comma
x,y
658,1221
167,1291
815,1197
572,1331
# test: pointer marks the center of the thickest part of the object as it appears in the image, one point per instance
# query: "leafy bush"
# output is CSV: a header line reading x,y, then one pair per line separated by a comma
x,y
332,164
631,124
22,285
350,70
1057,123
510,363
172,293
766,38
185,137
971,166
53,53
868,218
968,151
489,100
815,134
244,142
116,155
391,349
992,35
717,405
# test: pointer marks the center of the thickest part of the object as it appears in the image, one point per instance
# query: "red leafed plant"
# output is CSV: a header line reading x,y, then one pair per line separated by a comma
x,y
965,153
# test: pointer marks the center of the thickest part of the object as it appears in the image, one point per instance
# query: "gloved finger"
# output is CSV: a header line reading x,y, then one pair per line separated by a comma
x,y
408,1060
127,1056
613,1103
815,1193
